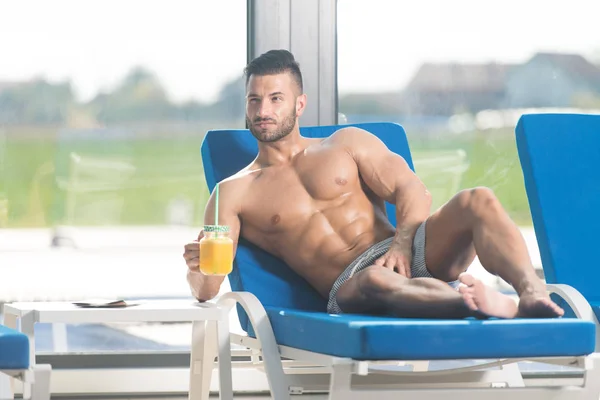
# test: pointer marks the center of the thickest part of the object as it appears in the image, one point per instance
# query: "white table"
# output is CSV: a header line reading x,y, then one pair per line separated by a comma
x,y
210,331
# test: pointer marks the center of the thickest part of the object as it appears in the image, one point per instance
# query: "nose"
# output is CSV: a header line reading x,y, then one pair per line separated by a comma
x,y
264,110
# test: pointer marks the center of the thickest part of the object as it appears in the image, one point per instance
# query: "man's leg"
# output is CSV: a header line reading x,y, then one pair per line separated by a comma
x,y
474,222
379,290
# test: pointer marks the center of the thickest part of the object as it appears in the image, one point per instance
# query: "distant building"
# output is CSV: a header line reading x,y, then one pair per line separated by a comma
x,y
8,85
448,88
381,103
545,80
551,80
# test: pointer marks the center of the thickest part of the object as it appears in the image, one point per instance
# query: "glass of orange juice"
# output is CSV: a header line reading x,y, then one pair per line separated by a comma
x,y
216,251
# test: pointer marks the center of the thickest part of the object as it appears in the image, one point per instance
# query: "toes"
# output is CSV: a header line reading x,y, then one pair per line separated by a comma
x,y
540,308
466,290
559,310
470,301
554,307
467,279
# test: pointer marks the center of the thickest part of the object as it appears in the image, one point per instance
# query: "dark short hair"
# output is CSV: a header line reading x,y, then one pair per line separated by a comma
x,y
274,62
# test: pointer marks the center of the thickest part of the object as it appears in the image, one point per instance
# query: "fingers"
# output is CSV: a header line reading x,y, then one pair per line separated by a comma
x,y
193,263
395,264
193,242
191,255
387,261
191,245
408,273
403,269
391,263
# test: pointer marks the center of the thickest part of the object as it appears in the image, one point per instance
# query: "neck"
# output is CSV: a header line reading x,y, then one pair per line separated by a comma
x,y
282,151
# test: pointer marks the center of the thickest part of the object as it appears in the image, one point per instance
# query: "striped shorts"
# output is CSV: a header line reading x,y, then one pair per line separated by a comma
x,y
417,266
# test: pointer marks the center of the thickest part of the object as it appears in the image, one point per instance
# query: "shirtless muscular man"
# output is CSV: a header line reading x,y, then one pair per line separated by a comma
x,y
318,204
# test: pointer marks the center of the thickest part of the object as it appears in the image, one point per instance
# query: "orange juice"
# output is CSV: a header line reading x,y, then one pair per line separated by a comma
x,y
216,251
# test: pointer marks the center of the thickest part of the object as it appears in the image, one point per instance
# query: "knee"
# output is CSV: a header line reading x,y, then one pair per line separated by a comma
x,y
479,202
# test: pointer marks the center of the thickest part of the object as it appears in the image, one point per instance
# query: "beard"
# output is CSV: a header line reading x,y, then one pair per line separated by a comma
x,y
274,132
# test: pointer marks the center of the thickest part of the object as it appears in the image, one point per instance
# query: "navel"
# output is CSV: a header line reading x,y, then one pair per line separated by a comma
x,y
275,219
340,181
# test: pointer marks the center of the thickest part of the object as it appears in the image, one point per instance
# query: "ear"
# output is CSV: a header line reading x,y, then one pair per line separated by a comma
x,y
300,104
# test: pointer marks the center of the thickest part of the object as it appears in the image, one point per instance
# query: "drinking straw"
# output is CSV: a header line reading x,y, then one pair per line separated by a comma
x,y
217,205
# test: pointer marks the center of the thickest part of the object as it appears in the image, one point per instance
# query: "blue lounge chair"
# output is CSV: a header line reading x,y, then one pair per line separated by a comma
x,y
14,364
560,158
362,357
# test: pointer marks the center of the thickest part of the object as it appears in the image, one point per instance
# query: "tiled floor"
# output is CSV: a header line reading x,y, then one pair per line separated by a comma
x,y
303,397
240,397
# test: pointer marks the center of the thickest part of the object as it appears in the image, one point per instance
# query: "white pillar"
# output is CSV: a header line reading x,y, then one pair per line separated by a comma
x,y
308,29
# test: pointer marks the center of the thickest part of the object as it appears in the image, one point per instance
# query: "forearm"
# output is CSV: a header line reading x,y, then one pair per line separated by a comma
x,y
204,287
413,204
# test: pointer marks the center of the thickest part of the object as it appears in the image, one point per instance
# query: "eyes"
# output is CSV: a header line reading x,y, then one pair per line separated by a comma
x,y
257,100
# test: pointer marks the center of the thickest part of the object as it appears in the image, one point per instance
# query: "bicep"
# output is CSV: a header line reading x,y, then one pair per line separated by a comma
x,y
383,171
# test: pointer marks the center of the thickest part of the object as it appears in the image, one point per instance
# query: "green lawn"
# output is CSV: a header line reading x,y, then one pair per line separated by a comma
x,y
129,182
160,172
492,162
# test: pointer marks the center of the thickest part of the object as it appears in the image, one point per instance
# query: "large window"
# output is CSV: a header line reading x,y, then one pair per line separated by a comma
x,y
457,74
103,107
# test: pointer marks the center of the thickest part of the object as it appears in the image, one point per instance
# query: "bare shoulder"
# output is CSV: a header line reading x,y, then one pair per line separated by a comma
x,y
239,181
356,140
233,188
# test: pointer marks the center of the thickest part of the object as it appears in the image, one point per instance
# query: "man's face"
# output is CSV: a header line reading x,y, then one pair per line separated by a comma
x,y
272,106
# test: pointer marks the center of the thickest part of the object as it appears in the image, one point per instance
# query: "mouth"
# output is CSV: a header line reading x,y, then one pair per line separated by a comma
x,y
263,124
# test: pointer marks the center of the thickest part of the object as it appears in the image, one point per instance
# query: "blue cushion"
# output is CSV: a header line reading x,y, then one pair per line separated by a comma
x,y
224,152
380,338
14,349
560,158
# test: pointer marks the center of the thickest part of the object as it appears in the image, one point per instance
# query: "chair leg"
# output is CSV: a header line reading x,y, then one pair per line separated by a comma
x,y
10,321
420,366
340,381
6,392
40,390
278,382
202,360
514,378
225,367
592,377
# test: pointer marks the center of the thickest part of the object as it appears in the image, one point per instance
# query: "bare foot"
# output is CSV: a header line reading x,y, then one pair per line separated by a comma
x,y
534,305
484,300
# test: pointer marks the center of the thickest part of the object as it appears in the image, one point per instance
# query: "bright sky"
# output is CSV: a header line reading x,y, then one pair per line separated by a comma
x,y
195,46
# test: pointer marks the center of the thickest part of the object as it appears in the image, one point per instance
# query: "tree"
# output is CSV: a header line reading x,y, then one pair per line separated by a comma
x,y
140,96
231,103
36,102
